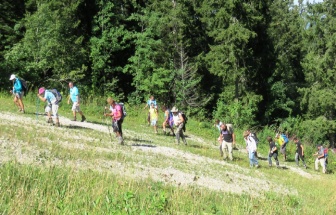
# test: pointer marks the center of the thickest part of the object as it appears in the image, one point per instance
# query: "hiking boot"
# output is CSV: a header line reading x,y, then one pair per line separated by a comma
x,y
23,111
50,120
58,124
305,167
83,118
177,142
74,119
185,142
257,166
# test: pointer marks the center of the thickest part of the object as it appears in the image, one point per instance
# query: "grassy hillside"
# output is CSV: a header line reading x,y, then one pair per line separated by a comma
x,y
80,169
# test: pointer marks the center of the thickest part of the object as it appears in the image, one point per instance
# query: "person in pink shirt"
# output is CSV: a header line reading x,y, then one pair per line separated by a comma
x,y
117,118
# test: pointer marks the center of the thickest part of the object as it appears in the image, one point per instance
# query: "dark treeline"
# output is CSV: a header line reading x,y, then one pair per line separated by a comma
x,y
255,62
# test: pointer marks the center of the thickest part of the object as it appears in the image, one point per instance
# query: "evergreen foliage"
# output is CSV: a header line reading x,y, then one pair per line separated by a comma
x,y
245,62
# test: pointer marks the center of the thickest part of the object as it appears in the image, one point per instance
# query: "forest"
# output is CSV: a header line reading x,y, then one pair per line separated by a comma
x,y
252,63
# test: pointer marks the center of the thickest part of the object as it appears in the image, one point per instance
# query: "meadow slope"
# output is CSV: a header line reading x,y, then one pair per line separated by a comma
x,y
84,146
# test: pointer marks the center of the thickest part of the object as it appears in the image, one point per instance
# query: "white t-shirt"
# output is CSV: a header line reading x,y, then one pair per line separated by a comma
x,y
177,119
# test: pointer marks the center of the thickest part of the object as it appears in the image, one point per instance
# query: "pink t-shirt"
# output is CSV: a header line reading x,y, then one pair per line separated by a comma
x,y
115,110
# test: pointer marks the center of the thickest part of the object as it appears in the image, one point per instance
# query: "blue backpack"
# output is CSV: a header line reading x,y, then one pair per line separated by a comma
x,y
170,119
285,138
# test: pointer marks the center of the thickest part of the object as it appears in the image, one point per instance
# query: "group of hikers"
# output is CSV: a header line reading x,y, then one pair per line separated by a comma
x,y
172,119
51,97
276,145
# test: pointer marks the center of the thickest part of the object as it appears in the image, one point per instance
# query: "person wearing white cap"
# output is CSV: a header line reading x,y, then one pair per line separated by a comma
x,y
179,123
17,92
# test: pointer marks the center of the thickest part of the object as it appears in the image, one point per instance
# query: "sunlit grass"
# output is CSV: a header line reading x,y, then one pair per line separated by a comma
x,y
69,175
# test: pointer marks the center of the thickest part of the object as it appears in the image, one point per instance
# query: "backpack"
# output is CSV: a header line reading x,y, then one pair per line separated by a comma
x,y
325,151
185,118
124,113
254,136
57,95
24,85
170,119
285,139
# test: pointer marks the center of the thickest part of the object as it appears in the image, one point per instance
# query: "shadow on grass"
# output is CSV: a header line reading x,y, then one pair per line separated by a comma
x,y
75,127
143,145
140,140
262,158
196,146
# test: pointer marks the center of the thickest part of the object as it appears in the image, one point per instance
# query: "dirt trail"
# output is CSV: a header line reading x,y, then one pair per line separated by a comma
x,y
197,171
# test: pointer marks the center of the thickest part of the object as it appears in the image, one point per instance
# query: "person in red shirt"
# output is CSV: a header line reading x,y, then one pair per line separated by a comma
x,y
117,118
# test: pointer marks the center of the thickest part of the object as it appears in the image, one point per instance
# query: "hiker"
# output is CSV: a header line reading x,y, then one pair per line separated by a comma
x,y
47,96
74,96
282,140
228,139
18,92
299,153
179,123
254,136
320,158
117,118
273,152
326,156
218,124
153,112
251,147
148,104
168,121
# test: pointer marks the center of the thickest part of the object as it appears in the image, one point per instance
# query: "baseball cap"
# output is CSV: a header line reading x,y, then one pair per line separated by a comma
x,y
12,77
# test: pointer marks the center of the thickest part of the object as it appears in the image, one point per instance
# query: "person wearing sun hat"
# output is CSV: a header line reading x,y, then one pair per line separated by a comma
x,y
17,92
46,95
179,123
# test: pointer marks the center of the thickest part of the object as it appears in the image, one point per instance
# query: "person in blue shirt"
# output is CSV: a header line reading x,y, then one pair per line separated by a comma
x,y
47,96
74,96
17,92
148,104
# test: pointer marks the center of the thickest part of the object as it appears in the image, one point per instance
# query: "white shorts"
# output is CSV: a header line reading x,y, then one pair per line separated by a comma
x,y
75,107
54,109
48,108
154,122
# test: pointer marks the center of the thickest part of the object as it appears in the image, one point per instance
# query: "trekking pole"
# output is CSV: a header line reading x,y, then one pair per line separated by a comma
x,y
107,124
37,108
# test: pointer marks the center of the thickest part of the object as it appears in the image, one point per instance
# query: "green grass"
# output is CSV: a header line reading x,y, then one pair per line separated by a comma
x,y
44,187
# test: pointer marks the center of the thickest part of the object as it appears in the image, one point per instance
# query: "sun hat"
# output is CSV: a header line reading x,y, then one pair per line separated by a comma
x,y
246,133
41,90
12,77
174,109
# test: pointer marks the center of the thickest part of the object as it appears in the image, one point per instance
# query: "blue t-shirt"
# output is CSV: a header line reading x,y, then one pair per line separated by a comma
x,y
150,102
73,94
17,88
49,96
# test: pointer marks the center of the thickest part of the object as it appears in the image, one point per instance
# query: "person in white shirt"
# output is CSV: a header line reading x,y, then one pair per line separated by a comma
x,y
251,147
